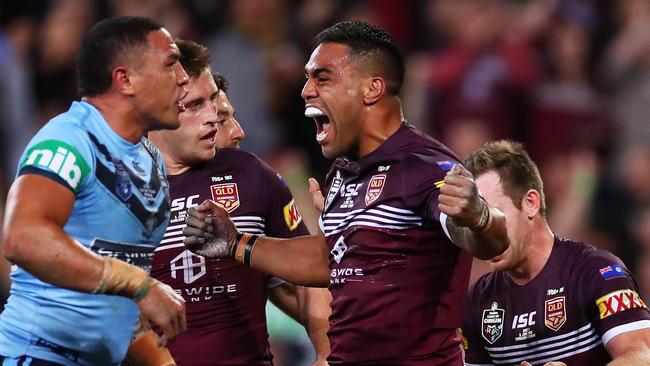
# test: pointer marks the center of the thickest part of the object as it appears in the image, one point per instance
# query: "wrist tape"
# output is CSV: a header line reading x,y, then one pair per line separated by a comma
x,y
242,251
122,279
485,221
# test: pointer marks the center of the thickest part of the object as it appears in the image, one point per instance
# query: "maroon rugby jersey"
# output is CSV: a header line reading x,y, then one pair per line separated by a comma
x,y
398,283
226,321
581,299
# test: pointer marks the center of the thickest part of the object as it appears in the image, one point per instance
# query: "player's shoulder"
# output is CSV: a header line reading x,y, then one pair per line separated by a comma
x,y
68,125
584,255
487,284
583,258
237,157
419,150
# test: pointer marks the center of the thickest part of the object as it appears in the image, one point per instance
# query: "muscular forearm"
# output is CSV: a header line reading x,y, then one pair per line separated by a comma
x,y
315,309
301,260
484,243
47,252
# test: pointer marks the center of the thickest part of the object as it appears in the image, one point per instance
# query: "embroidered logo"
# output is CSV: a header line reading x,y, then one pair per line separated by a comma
x,y
375,187
492,323
226,195
555,312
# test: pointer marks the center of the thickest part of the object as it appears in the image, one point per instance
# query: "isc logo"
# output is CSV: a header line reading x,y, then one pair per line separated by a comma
x,y
182,203
524,320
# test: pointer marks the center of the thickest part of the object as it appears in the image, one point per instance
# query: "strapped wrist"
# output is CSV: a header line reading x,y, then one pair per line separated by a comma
x,y
122,279
242,251
485,221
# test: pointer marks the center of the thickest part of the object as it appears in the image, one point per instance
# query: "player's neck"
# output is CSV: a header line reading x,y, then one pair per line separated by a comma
x,y
119,116
536,255
379,123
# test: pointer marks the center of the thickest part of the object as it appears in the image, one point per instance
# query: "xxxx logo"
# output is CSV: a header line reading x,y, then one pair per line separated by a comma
x,y
619,301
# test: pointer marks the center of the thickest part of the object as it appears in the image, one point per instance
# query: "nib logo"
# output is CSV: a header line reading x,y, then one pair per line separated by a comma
x,y
60,158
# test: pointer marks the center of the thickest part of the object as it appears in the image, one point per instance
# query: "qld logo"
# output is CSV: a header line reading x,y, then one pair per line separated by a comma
x,y
555,312
375,187
492,323
226,195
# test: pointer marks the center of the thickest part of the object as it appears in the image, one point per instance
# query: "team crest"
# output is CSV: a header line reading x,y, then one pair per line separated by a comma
x,y
555,312
375,187
226,195
123,182
492,323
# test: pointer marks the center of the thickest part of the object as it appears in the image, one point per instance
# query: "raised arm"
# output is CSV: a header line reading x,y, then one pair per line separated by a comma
x,y
301,260
472,223
33,238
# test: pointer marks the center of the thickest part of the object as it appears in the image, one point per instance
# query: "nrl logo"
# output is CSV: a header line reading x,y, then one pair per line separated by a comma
x,y
492,323
555,313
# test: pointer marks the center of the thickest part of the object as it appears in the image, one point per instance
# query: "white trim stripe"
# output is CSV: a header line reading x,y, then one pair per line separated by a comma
x,y
624,328
534,354
443,223
169,246
541,341
568,354
247,218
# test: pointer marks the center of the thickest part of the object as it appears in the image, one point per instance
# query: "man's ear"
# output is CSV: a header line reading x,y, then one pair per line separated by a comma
x,y
531,202
123,80
374,89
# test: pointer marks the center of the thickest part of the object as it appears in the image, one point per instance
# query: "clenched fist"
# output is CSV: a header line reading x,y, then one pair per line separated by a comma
x,y
209,231
460,201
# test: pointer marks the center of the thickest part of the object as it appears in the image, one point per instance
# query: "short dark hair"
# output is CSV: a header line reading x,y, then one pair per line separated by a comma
x,y
371,42
103,44
516,169
195,58
220,80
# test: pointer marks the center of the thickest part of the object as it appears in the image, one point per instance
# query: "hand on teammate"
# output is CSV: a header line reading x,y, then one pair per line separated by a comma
x,y
165,308
316,195
209,231
459,198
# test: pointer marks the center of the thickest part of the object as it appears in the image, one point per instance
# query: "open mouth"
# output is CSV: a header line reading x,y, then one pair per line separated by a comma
x,y
181,107
322,122
209,137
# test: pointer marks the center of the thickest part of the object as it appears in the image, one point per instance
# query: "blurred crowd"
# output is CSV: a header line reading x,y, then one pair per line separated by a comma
x,y
570,78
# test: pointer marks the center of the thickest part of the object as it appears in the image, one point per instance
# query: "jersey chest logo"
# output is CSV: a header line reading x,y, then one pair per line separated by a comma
x,y
375,186
492,323
555,312
334,189
226,195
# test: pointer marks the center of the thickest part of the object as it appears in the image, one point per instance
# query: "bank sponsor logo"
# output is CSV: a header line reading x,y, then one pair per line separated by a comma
x,y
191,265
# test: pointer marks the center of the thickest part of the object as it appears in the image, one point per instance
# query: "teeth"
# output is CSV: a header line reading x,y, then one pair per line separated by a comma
x,y
181,107
313,112
321,136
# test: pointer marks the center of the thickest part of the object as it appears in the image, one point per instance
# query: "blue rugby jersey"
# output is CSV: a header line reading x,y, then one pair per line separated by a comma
x,y
121,209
